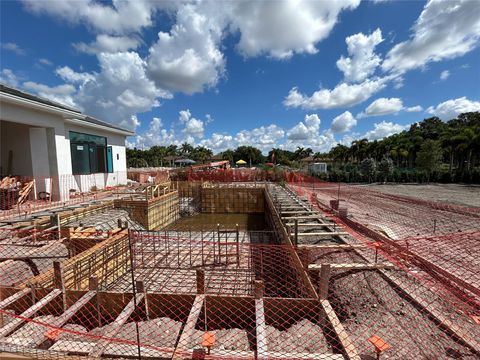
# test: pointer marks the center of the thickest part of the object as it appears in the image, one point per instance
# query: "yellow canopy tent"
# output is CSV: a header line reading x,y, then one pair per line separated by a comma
x,y
241,162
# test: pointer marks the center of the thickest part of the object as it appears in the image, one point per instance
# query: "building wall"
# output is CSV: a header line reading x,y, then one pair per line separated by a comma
x,y
41,148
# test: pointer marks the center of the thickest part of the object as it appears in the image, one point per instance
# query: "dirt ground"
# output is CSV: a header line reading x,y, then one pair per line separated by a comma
x,y
466,195
367,305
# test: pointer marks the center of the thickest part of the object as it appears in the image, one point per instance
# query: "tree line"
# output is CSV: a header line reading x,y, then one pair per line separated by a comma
x,y
430,150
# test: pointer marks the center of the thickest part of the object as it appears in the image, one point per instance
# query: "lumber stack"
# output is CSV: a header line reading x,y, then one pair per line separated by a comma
x,y
16,191
25,191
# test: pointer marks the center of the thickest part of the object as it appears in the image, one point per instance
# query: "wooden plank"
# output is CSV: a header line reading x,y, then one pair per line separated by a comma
x,y
310,224
115,326
186,336
347,344
261,330
11,299
323,281
125,351
323,233
331,246
72,310
353,266
31,311
296,211
319,217
304,356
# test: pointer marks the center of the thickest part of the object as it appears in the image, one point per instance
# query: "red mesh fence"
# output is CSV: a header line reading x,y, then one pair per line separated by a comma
x,y
24,195
239,294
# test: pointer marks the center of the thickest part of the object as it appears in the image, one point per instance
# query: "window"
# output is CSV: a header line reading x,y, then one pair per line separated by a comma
x,y
90,154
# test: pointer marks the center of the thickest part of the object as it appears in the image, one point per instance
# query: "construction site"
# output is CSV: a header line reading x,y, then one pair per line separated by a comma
x,y
238,264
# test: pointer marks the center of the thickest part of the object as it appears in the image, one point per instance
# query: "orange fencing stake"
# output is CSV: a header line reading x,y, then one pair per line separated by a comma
x,y
208,341
53,334
379,344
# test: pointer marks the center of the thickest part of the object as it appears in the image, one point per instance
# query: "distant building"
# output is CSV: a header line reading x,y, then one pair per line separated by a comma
x,y
58,146
317,168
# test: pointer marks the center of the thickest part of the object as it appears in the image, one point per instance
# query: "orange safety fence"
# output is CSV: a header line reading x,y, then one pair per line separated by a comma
x,y
230,293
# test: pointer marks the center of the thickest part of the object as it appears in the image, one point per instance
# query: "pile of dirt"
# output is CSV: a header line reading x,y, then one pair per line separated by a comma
x,y
302,337
161,332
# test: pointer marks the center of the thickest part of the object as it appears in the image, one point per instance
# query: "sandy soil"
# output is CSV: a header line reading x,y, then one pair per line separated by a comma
x,y
466,195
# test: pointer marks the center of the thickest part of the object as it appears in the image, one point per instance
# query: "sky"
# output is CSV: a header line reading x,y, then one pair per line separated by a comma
x,y
269,74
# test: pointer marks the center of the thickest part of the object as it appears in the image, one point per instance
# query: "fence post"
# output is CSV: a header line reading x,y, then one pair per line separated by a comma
x,y
259,289
58,281
323,281
200,281
238,245
296,232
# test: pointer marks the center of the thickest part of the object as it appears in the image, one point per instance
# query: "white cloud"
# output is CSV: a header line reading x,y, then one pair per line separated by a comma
x,y
219,142
8,77
45,62
120,17
306,129
263,137
108,43
449,109
417,108
69,75
362,61
188,58
387,106
280,29
194,128
307,133
155,135
384,129
384,106
343,122
13,47
444,30
444,75
63,94
116,94
343,95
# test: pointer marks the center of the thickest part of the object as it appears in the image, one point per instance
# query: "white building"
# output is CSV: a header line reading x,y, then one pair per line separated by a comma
x,y
58,146
317,168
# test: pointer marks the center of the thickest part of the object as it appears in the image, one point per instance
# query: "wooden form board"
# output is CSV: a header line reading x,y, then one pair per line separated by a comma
x,y
186,336
354,266
78,269
261,330
31,311
323,233
155,213
115,327
239,200
285,239
347,344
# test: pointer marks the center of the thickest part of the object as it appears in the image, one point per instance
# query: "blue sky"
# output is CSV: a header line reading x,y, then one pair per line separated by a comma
x,y
268,74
